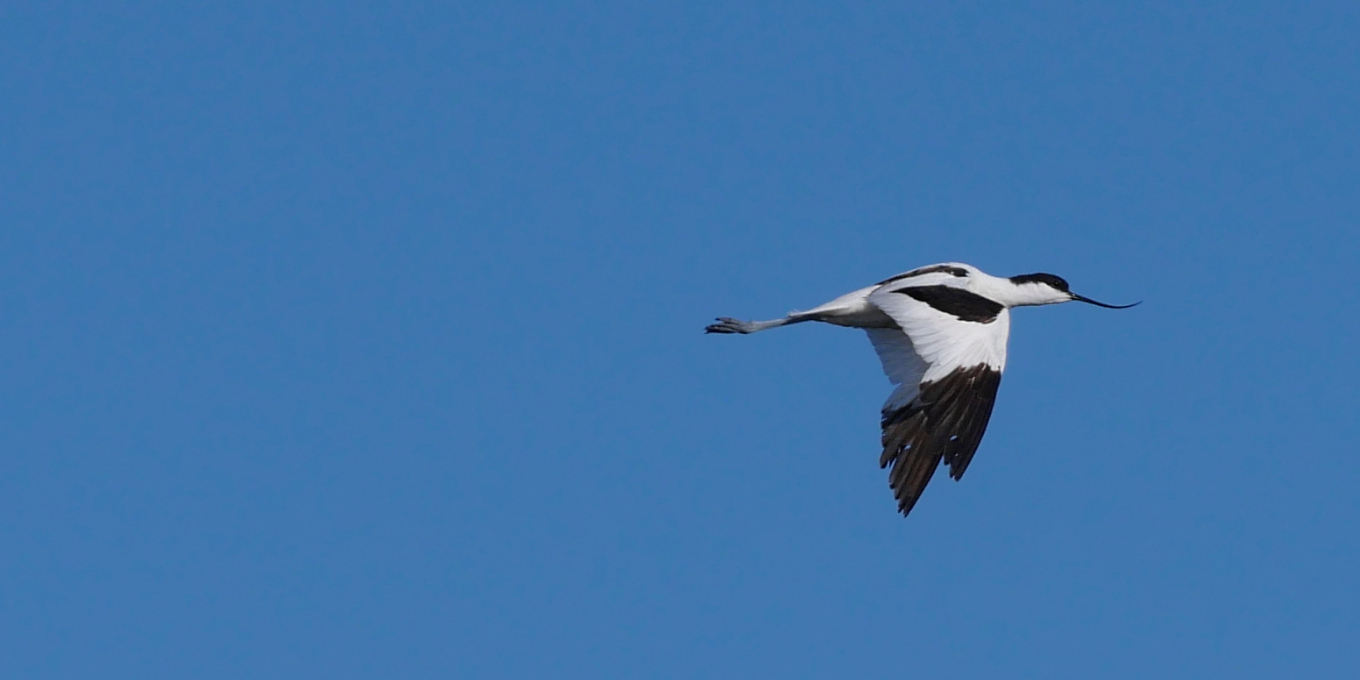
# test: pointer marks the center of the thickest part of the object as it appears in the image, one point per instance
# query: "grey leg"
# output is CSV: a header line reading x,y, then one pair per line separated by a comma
x,y
729,325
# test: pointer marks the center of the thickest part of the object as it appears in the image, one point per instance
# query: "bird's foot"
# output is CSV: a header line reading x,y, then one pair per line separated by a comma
x,y
726,325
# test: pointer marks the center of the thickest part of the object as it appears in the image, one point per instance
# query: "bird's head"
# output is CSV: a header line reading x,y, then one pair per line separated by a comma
x,y
1048,289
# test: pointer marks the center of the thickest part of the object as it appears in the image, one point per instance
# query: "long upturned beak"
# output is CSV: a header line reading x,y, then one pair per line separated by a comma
x,y
1082,298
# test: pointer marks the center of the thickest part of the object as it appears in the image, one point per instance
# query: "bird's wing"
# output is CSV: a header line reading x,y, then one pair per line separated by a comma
x,y
946,273
903,366
958,339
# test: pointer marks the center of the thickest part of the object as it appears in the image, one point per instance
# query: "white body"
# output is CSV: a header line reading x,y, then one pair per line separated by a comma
x,y
940,332
918,343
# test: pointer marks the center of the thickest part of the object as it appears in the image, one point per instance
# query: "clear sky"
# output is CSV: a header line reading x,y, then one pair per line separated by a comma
x,y
356,340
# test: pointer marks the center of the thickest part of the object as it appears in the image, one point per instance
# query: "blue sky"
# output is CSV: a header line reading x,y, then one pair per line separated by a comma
x,y
364,340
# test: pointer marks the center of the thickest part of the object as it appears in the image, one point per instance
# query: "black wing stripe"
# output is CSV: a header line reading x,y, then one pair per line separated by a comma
x,y
957,302
945,422
932,269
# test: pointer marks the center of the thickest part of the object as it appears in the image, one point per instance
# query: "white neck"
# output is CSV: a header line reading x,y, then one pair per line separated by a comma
x,y
1013,295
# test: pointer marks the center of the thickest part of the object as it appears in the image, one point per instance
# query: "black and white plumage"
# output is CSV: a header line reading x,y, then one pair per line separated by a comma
x,y
940,332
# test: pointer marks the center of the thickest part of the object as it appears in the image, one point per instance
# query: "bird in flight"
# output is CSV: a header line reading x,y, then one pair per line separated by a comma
x,y
940,332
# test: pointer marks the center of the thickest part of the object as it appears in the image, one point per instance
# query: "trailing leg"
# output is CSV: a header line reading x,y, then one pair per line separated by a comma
x,y
729,325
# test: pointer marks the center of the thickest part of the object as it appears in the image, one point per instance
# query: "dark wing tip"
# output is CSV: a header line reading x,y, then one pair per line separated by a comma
x,y
945,423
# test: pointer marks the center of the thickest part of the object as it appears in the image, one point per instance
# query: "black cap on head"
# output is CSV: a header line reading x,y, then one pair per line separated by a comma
x,y
1056,282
